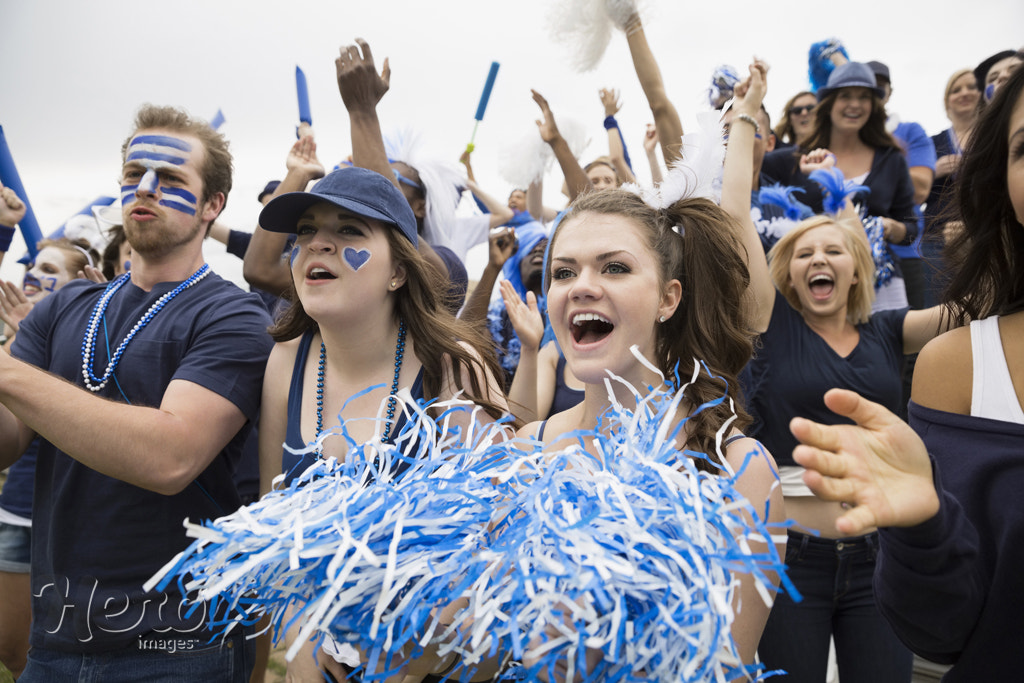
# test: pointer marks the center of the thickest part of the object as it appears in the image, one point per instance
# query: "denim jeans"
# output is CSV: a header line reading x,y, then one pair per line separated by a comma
x,y
160,658
834,578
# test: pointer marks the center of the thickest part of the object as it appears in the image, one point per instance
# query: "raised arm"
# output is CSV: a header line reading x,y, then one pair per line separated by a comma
x,y
575,178
737,184
666,118
501,244
264,265
535,203
12,210
500,214
616,147
650,144
361,89
528,323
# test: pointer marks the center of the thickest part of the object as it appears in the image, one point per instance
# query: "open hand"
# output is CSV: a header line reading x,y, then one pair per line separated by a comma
x,y
14,305
360,86
548,128
879,466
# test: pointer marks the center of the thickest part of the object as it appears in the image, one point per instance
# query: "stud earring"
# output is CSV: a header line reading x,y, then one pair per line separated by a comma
x,y
661,319
394,284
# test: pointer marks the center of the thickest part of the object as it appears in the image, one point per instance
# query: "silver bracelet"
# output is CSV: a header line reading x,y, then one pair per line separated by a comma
x,y
751,120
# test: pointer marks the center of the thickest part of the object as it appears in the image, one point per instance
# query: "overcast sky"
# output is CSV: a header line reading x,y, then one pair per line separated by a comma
x,y
75,72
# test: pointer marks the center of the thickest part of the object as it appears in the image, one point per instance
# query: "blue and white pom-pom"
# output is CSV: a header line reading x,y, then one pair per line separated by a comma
x,y
351,551
622,562
880,254
819,62
624,551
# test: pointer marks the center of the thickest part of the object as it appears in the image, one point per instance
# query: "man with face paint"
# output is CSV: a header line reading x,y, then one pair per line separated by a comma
x,y
143,391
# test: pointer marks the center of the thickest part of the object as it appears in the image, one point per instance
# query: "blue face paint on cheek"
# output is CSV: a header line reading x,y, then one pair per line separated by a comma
x,y
49,283
291,259
990,91
356,258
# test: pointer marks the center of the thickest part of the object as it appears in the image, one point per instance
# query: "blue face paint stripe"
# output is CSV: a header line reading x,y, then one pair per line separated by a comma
x,y
179,192
172,204
152,155
162,140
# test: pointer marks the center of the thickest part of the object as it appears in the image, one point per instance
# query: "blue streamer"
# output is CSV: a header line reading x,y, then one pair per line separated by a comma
x,y
218,120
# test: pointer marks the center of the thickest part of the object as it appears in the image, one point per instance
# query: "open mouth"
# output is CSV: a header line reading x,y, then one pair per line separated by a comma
x,y
142,212
821,286
589,328
320,274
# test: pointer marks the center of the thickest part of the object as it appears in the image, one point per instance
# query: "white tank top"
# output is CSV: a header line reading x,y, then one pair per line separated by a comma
x,y
992,394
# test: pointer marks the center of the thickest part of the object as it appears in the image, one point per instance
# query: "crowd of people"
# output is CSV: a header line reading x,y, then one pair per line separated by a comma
x,y
803,267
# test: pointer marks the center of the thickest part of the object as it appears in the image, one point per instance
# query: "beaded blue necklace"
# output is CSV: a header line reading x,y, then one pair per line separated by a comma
x,y
95,383
392,401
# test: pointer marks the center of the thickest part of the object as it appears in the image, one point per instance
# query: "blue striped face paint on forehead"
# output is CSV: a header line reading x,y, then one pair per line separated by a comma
x,y
155,153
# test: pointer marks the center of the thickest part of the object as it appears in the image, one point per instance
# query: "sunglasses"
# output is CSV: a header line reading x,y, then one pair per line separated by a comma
x,y
797,111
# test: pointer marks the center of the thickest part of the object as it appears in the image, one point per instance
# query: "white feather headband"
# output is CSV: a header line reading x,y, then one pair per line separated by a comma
x,y
697,174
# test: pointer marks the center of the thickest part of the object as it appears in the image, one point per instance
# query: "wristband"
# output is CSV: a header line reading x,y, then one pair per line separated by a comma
x,y
610,122
751,120
6,235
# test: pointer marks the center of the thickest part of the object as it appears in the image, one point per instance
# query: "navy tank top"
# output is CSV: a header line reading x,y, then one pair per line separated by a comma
x,y
291,464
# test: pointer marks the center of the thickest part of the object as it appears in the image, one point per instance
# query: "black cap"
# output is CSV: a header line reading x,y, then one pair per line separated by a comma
x,y
880,70
981,71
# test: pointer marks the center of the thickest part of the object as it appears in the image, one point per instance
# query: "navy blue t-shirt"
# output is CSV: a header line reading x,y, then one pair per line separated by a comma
x,y
793,367
97,539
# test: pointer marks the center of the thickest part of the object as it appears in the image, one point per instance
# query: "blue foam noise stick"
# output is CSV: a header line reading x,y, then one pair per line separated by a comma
x,y
10,178
302,90
485,96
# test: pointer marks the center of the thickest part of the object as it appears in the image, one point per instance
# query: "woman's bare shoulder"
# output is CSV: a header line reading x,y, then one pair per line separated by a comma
x,y
944,374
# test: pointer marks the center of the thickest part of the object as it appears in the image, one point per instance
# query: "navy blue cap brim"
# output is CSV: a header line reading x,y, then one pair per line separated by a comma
x,y
282,213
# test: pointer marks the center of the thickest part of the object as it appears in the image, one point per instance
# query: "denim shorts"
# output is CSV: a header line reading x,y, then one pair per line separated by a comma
x,y
15,545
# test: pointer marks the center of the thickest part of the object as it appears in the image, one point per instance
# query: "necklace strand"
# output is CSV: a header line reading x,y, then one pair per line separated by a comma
x,y
95,383
392,400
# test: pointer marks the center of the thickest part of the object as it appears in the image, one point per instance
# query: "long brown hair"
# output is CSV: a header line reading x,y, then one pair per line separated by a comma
x,y
435,331
873,133
694,242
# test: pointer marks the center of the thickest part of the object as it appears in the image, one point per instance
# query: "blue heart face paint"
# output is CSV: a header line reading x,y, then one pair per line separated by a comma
x,y
153,162
356,258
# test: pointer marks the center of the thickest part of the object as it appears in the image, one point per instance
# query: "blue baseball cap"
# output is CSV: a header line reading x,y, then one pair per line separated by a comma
x,y
851,75
357,190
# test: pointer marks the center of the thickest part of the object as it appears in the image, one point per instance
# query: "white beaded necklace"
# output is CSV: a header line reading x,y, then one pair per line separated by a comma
x,y
95,383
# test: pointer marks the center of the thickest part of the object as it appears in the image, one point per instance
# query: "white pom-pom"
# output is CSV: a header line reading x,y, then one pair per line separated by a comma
x,y
585,27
